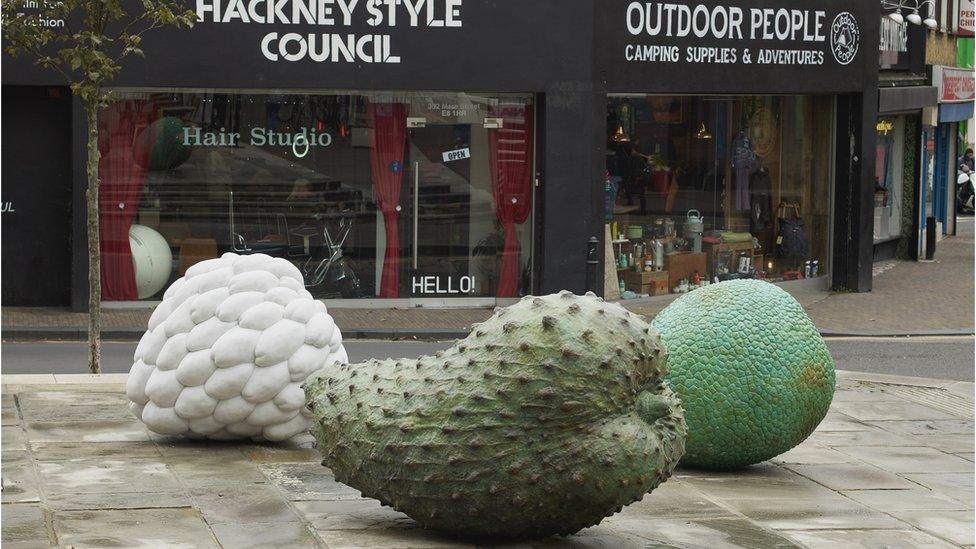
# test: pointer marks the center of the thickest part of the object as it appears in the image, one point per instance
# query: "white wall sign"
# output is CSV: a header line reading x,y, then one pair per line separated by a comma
x,y
955,85
332,47
794,36
442,285
301,142
967,14
458,154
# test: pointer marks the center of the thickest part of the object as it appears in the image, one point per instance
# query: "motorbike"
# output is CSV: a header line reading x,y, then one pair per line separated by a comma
x,y
965,193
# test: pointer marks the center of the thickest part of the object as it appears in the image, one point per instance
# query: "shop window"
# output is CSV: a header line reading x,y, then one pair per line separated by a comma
x,y
704,189
889,177
389,195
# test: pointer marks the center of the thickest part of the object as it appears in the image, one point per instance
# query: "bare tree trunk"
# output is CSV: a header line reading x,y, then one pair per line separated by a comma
x,y
94,246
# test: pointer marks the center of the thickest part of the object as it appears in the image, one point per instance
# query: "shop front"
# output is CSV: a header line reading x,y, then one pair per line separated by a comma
x,y
468,153
896,184
399,156
904,99
736,143
956,94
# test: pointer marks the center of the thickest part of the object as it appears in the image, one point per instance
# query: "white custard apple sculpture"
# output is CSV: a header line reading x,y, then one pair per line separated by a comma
x,y
228,349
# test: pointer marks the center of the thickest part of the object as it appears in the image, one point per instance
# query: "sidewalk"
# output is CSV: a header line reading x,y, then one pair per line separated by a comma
x,y
909,298
891,465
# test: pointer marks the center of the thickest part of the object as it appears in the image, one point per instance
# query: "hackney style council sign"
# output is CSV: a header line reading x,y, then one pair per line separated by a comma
x,y
715,42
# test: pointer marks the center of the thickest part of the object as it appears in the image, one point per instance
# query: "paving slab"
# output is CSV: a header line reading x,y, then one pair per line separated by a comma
x,y
256,535
909,459
678,499
81,476
254,503
43,399
91,379
867,539
836,421
51,413
852,476
382,538
75,501
963,389
172,447
958,486
19,479
814,454
953,526
888,410
9,417
308,481
24,523
872,436
761,481
149,528
833,512
214,471
87,431
59,451
914,499
350,514
733,532
13,437
269,453
927,427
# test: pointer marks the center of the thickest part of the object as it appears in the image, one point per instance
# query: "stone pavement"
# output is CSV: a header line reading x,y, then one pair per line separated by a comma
x,y
909,298
890,466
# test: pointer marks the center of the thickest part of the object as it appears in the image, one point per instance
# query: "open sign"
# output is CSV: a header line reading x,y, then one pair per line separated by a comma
x,y
457,154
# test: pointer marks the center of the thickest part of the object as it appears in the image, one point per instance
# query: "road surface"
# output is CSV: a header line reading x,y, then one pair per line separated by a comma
x,y
934,357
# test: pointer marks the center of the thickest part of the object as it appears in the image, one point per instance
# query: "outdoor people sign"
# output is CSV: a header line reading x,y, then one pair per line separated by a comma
x,y
819,40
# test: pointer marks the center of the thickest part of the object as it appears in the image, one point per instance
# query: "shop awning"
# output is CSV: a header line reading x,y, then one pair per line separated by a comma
x,y
906,98
955,112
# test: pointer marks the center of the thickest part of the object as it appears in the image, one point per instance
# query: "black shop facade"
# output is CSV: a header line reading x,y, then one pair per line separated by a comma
x,y
453,152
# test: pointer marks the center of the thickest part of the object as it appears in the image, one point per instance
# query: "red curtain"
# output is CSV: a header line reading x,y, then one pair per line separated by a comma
x,y
387,142
511,183
122,174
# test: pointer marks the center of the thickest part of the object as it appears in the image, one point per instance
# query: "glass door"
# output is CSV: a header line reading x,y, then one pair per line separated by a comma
x,y
469,172
454,241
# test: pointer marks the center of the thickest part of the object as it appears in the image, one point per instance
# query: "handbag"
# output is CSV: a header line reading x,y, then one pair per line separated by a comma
x,y
791,242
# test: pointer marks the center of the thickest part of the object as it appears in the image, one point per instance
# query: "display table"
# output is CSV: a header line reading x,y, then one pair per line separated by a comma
x,y
681,265
714,250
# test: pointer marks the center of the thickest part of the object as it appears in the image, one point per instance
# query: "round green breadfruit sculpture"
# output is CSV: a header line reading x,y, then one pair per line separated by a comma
x,y
750,367
551,415
160,146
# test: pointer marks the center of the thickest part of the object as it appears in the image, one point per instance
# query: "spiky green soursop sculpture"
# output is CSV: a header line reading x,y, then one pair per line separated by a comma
x,y
227,350
750,367
547,418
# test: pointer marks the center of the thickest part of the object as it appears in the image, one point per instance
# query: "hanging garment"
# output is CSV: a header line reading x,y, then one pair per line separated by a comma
x,y
743,163
387,142
511,184
761,200
121,173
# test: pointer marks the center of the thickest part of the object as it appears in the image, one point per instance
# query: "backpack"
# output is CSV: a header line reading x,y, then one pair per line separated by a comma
x,y
791,243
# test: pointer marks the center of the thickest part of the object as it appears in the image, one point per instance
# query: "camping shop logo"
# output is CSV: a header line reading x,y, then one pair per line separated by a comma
x,y
844,38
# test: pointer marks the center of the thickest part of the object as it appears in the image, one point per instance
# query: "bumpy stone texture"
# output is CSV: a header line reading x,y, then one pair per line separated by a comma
x,y
228,349
750,367
548,417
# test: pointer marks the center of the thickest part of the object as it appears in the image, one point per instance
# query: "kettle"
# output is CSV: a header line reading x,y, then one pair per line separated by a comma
x,y
694,226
